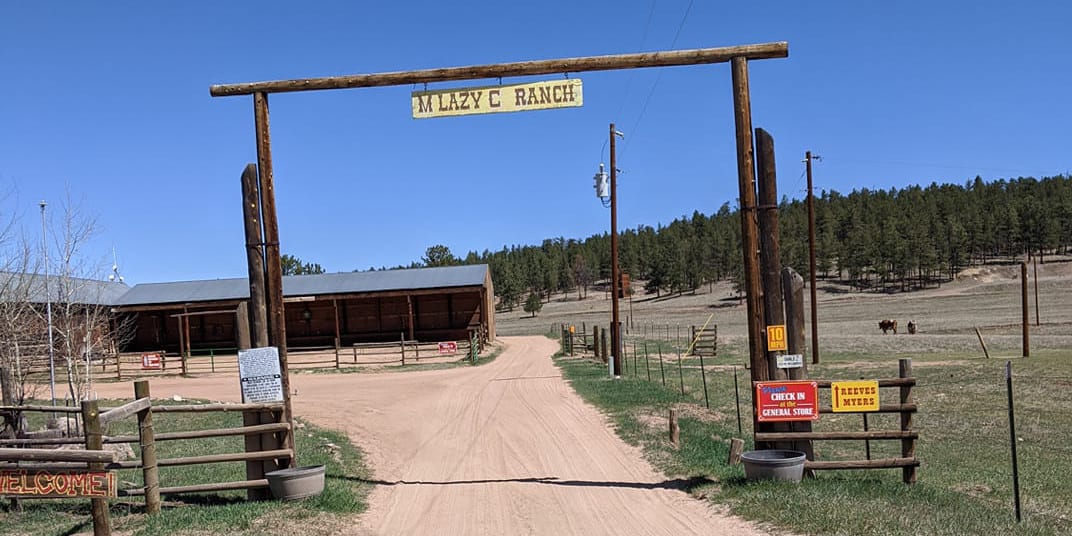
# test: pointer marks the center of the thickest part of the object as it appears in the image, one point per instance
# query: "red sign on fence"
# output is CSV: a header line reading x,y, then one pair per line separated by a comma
x,y
448,347
787,401
151,361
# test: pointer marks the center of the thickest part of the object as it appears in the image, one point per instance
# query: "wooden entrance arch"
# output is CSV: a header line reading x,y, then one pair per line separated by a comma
x,y
262,226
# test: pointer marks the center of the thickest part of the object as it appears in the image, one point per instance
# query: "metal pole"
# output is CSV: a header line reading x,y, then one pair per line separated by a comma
x,y
48,310
1012,441
811,265
615,325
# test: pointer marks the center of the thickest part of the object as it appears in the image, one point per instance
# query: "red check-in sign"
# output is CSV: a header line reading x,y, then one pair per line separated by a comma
x,y
448,347
787,401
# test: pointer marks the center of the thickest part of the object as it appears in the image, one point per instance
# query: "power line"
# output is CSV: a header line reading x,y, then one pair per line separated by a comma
x,y
658,77
632,72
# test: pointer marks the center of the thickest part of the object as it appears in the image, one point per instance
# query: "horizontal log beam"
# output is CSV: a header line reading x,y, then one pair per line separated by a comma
x,y
201,434
46,409
882,408
200,488
77,440
193,408
278,454
53,455
523,68
883,382
887,463
803,436
124,411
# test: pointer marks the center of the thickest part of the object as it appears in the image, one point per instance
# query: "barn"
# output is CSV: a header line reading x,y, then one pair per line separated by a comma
x,y
421,304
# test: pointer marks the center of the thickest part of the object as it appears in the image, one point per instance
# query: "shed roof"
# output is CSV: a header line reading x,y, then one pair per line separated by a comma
x,y
61,289
309,285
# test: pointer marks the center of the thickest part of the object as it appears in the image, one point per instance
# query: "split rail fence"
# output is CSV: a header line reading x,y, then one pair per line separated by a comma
x,y
263,431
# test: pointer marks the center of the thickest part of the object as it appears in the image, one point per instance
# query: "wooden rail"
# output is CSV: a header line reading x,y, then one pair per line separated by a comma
x,y
53,455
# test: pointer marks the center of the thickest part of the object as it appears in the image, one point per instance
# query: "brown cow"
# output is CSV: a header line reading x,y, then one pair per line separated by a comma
x,y
911,327
886,325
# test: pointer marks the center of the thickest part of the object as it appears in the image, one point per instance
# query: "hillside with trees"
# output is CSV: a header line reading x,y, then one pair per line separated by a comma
x,y
879,240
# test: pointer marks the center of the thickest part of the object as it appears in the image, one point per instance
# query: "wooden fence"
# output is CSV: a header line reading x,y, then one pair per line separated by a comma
x,y
906,434
704,341
225,359
263,429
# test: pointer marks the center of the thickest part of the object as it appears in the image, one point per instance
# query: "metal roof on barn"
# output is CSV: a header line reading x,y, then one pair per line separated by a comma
x,y
31,287
309,285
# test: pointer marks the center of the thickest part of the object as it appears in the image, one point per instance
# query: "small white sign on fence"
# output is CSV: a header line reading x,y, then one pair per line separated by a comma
x,y
790,361
258,370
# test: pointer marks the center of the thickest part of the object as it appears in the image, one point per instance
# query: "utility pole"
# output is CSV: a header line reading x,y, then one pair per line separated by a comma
x,y
811,262
615,323
48,309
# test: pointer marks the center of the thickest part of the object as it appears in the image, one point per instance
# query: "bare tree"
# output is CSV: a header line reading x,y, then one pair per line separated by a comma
x,y
82,320
19,326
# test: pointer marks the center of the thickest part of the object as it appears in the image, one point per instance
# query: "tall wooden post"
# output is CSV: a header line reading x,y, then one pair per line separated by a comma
x,y
811,264
251,217
746,180
793,286
277,328
1034,264
410,322
908,446
102,523
1024,309
615,323
770,256
147,441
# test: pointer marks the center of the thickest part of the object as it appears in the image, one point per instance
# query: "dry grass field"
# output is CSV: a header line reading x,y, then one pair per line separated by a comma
x,y
987,297
965,482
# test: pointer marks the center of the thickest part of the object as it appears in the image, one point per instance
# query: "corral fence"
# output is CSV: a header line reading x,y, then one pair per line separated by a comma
x,y
263,431
225,359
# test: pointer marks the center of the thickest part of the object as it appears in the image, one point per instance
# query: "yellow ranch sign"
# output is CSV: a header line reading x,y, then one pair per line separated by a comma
x,y
856,396
495,99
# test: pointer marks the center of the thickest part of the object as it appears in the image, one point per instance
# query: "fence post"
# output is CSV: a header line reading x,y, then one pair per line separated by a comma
x,y
336,352
662,370
908,446
212,359
118,372
603,346
147,441
102,525
402,343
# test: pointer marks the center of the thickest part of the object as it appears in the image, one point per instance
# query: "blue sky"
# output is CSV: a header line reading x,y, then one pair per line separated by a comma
x,y
110,102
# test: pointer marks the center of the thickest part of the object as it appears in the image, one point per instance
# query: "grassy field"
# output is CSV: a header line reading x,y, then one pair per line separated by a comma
x,y
965,482
345,490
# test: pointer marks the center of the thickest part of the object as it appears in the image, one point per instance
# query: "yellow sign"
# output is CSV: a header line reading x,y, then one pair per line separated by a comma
x,y
776,340
855,396
494,99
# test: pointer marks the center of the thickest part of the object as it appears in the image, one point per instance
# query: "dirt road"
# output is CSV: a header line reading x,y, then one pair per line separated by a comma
x,y
505,448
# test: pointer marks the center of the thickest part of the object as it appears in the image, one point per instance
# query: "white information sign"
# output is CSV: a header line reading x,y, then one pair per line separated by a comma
x,y
258,369
790,361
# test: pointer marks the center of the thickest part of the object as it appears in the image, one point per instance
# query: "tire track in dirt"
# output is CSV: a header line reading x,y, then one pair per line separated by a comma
x,y
503,448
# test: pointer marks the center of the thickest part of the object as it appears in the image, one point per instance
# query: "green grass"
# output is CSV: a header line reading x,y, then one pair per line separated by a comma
x,y
345,491
965,482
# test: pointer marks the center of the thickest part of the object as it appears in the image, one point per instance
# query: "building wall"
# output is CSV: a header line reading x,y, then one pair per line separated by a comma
x,y
427,316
